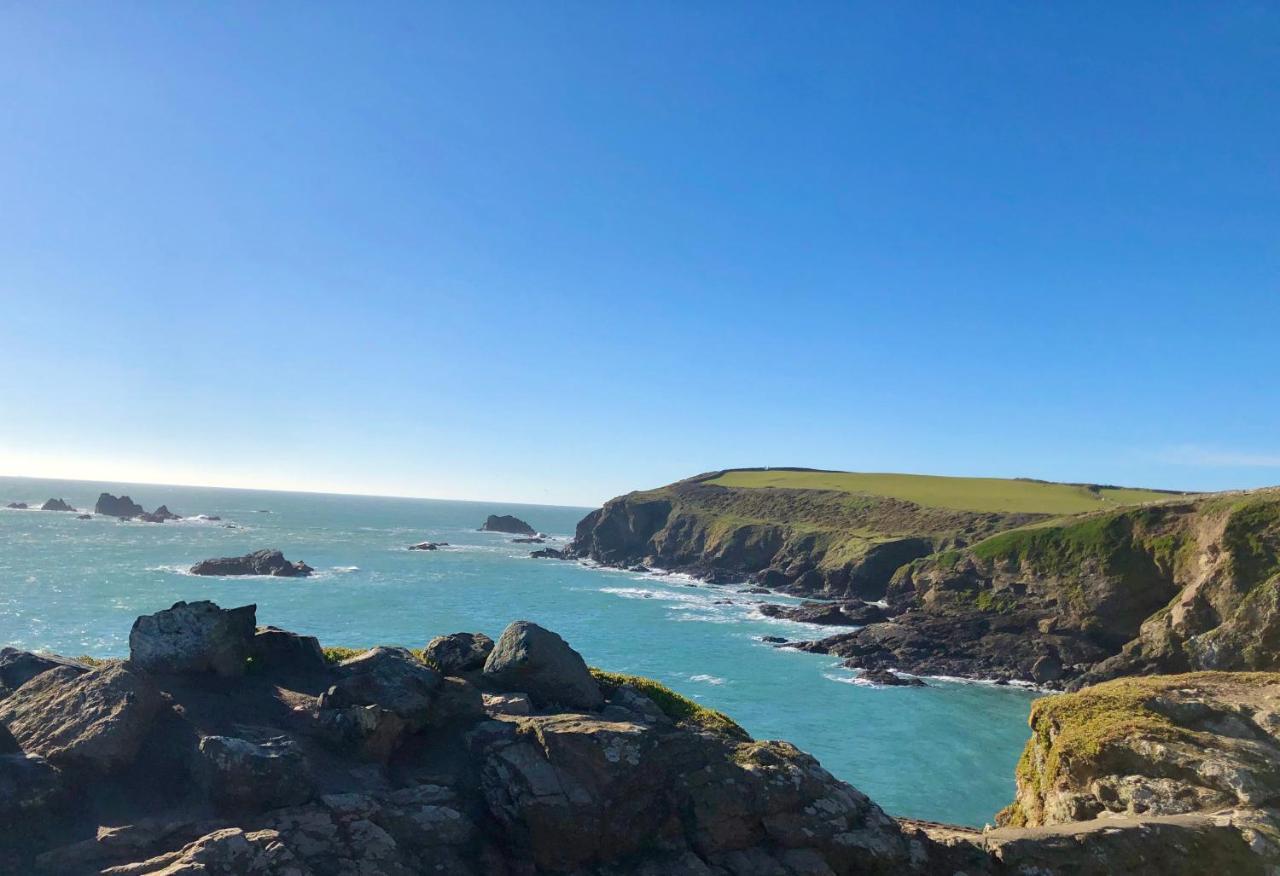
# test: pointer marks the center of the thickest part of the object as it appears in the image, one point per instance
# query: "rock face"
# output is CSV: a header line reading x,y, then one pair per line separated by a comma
x,y
117,506
193,637
1190,762
507,523
18,667
852,613
92,721
264,562
536,661
459,652
56,505
380,766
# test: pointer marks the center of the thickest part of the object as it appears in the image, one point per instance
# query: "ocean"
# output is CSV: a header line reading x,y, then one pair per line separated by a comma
x,y
945,752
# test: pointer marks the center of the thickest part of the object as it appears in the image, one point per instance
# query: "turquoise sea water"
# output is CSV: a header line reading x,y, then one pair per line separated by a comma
x,y
944,753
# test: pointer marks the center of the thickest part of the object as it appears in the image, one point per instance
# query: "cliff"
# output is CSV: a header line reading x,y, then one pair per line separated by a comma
x,y
221,747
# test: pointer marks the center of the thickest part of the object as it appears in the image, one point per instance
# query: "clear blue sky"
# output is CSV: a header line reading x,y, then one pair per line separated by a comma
x,y
553,252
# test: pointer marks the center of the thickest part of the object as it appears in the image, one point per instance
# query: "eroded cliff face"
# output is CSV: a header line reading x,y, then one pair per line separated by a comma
x,y
1195,756
814,542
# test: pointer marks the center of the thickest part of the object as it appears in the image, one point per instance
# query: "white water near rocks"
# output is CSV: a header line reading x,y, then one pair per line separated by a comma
x,y
945,752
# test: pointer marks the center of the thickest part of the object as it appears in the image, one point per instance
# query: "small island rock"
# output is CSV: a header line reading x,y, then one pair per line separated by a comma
x,y
507,523
56,505
117,506
264,562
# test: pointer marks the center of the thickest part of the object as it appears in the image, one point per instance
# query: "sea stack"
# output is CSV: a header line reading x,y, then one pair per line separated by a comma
x,y
56,505
507,523
264,562
121,506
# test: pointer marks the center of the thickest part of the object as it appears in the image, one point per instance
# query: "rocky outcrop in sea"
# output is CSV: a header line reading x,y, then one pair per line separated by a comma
x,y
263,562
56,505
507,523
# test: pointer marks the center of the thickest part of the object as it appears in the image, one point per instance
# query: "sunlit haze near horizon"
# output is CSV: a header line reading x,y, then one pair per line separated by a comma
x,y
551,254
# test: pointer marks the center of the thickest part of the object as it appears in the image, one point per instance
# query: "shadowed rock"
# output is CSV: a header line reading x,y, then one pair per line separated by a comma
x,y
193,637
56,505
246,776
117,506
263,562
459,652
538,662
20,506
279,651
18,667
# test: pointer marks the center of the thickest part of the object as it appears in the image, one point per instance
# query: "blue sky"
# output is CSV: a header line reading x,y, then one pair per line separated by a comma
x,y
553,252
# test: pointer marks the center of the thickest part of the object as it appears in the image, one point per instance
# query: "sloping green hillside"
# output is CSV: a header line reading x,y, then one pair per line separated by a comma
x,y
996,495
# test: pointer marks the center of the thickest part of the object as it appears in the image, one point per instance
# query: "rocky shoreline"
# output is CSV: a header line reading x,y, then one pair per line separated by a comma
x,y
221,746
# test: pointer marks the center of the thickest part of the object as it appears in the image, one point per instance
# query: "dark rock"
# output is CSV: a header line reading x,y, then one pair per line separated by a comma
x,y
459,652
538,662
18,667
279,651
164,513
193,637
389,678
548,554
536,539
773,640
84,517
8,745
94,721
56,505
638,568
246,776
113,506
28,786
507,523
148,517
755,590
210,517
888,679
854,613
264,562
1047,669
427,546
21,506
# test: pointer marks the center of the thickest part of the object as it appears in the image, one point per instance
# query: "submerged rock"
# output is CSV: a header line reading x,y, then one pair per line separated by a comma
x,y
263,562
193,637
56,505
428,545
534,539
536,661
548,554
885,678
507,523
84,517
117,506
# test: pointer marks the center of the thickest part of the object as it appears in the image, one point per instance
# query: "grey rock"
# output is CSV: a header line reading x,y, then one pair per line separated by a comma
x,y
193,637
19,506
18,667
243,775
280,651
389,678
93,720
459,652
538,662
507,523
117,506
56,505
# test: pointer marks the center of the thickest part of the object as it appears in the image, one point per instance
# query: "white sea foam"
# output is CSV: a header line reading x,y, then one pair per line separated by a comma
x,y
707,679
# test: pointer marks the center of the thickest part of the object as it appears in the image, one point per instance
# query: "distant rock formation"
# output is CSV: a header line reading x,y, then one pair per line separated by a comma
x,y
428,545
113,506
20,506
56,505
507,523
263,562
533,539
548,554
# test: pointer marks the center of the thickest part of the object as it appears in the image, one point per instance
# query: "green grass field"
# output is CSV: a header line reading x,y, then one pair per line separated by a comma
x,y
961,494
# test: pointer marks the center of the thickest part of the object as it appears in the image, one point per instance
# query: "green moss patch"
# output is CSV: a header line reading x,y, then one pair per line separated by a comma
x,y
677,707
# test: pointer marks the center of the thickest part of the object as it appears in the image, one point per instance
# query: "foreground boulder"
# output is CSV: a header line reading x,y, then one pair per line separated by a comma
x,y
93,721
117,506
193,637
241,775
459,652
17,667
263,562
538,662
56,505
507,523
389,678
278,651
